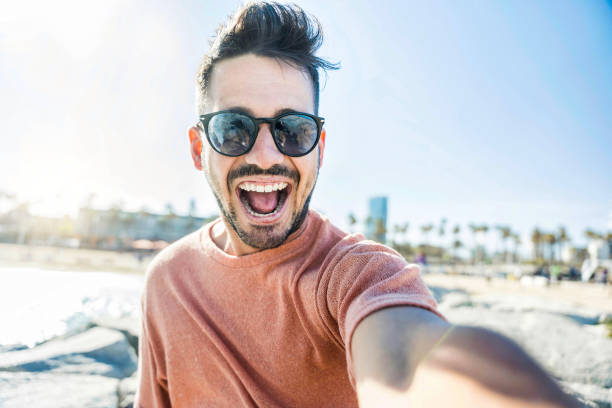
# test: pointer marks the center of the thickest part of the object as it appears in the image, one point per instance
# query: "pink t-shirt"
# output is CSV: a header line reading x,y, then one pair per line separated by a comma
x,y
269,329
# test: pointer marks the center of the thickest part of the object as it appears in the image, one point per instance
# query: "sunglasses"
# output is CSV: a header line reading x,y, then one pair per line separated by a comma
x,y
232,133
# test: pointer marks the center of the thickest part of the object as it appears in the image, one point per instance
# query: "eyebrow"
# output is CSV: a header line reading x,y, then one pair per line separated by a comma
x,y
242,109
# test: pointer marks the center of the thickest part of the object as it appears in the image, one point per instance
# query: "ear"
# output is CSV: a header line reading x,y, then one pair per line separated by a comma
x,y
321,147
195,142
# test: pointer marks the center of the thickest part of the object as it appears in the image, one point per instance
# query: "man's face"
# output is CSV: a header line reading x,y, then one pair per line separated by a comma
x,y
261,87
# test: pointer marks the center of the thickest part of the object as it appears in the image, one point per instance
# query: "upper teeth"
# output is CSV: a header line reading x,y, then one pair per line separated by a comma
x,y
263,188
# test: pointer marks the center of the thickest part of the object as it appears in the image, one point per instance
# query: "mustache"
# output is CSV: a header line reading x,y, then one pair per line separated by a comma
x,y
253,170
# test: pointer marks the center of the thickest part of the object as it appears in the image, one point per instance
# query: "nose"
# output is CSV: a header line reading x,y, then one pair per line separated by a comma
x,y
264,153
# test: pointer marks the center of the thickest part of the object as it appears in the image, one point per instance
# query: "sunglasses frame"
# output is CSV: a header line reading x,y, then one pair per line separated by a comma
x,y
205,120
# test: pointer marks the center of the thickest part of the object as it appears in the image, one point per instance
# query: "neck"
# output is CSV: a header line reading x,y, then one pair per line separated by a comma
x,y
227,240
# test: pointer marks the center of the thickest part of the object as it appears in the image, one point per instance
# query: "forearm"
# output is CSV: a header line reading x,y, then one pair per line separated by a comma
x,y
423,361
476,364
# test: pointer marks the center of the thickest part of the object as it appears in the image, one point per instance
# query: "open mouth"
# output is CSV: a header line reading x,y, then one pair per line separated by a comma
x,y
263,201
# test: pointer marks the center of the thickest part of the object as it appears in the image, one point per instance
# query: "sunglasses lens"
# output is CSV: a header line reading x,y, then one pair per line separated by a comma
x,y
231,133
296,134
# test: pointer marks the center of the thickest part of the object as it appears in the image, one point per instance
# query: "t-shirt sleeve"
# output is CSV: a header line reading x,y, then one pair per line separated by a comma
x,y
364,277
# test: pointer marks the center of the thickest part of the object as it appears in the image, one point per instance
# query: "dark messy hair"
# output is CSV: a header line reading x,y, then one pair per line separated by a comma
x,y
267,29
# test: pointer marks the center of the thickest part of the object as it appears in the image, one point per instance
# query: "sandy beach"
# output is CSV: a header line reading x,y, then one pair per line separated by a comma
x,y
595,296
73,259
589,295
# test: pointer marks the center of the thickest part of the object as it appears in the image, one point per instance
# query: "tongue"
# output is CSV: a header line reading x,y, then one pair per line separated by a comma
x,y
262,203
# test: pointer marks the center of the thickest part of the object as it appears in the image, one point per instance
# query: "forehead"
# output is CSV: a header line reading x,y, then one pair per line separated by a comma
x,y
261,85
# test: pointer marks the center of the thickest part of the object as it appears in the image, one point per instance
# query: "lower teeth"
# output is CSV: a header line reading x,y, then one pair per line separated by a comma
x,y
281,201
256,214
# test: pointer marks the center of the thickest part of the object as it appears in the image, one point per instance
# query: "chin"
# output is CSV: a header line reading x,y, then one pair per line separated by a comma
x,y
266,235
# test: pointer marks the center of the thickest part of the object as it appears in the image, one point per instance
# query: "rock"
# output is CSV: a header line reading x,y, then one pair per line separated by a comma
x,y
98,351
558,342
455,300
129,326
52,390
570,341
440,293
605,318
599,397
127,391
510,303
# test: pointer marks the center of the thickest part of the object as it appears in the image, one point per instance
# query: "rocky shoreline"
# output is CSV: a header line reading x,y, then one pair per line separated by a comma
x,y
97,367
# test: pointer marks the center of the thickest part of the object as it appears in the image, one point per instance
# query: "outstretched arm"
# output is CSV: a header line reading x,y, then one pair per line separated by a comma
x,y
409,357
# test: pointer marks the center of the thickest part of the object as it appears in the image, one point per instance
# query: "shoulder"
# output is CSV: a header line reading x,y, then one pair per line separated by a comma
x,y
178,256
356,251
339,247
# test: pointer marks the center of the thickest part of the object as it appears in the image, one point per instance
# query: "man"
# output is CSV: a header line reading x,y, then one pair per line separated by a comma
x,y
273,306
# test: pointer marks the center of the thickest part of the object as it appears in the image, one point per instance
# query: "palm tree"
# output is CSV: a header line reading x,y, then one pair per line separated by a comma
x,y
505,233
517,241
474,229
380,230
536,239
442,230
456,245
397,229
562,238
352,220
404,230
550,240
483,228
426,229
368,224
590,234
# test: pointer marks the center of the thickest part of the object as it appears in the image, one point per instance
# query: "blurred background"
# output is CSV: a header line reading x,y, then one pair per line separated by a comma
x,y
473,137
494,115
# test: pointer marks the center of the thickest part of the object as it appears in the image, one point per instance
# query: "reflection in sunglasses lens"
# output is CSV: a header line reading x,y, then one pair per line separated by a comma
x,y
231,133
295,134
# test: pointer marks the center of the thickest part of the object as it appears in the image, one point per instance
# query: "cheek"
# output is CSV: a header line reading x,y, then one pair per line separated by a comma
x,y
211,169
217,168
308,176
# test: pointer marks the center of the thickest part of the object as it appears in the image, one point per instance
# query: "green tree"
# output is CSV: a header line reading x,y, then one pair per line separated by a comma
x,y
352,220
404,230
474,230
550,240
590,234
380,230
536,240
505,233
517,242
456,245
426,229
397,230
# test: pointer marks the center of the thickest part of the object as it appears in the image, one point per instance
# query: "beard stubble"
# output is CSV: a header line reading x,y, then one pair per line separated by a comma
x,y
262,236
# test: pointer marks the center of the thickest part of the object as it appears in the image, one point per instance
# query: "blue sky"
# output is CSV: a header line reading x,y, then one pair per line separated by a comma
x,y
486,112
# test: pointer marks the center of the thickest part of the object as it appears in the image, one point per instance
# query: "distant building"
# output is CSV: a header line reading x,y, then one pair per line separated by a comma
x,y
20,227
117,229
376,223
599,249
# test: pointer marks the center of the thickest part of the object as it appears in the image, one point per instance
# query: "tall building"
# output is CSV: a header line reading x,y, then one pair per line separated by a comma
x,y
376,223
